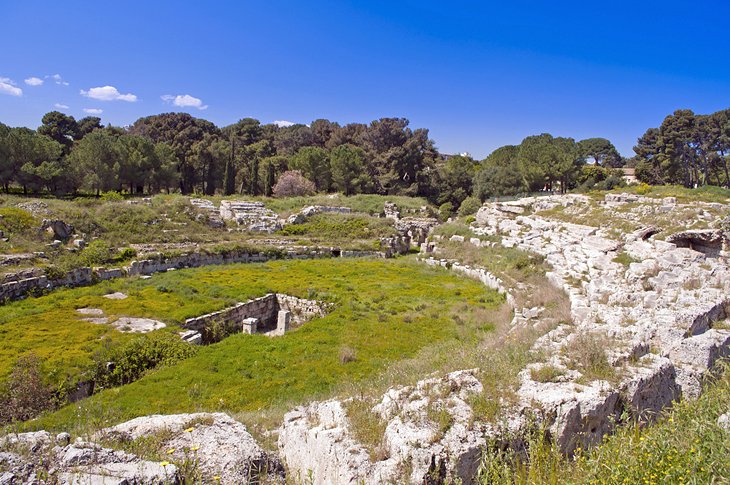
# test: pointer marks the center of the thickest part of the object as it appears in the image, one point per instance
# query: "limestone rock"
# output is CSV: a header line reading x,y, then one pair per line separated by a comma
x,y
317,444
79,462
253,216
58,228
724,421
222,445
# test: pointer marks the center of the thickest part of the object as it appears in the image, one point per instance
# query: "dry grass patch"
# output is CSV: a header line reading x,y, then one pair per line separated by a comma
x,y
586,352
368,428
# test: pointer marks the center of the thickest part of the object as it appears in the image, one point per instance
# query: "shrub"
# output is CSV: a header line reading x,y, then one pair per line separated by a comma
x,y
446,210
347,354
126,253
112,197
25,395
469,206
128,362
546,373
96,253
16,220
293,184
587,353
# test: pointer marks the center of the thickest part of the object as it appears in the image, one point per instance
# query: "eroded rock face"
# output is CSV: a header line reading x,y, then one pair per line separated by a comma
x,y
215,443
58,228
27,456
222,446
317,443
708,241
655,316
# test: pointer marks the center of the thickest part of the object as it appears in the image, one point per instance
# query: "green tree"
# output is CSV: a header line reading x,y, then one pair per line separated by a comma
x,y
97,159
314,164
601,152
544,160
59,127
180,131
347,164
498,181
270,169
456,179
207,161
164,172
87,125
27,153
137,162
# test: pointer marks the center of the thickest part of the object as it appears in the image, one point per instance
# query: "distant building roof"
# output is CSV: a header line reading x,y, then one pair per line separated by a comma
x,y
628,171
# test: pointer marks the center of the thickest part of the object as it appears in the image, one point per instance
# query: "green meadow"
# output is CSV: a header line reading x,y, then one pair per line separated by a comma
x,y
383,311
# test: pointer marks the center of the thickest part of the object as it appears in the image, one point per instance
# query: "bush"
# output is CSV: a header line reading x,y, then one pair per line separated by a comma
x,y
293,184
469,206
96,253
25,395
126,253
112,197
16,220
446,210
127,363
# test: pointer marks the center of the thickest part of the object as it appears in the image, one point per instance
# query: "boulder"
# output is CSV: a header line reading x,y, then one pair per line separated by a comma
x,y
58,228
221,445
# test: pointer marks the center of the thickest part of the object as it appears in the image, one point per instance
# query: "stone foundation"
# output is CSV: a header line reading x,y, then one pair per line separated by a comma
x,y
273,314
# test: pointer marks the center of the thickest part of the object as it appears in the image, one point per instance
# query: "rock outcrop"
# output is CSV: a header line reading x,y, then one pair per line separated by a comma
x,y
198,448
25,457
654,311
318,446
253,216
220,445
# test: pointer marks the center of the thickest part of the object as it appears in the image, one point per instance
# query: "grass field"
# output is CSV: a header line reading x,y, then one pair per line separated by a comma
x,y
384,311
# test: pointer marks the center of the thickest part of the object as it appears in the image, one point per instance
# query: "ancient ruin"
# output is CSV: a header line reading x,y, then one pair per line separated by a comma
x,y
273,314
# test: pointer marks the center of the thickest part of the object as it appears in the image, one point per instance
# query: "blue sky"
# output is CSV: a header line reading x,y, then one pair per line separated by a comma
x,y
479,75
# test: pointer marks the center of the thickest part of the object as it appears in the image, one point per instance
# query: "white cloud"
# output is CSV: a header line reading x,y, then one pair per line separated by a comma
x,y
57,79
108,93
34,81
283,123
60,106
184,101
93,111
8,87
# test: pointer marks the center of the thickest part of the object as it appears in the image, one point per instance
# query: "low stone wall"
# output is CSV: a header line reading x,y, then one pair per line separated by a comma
x,y
266,311
20,285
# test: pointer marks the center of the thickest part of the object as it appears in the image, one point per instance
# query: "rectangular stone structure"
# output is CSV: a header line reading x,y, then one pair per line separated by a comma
x,y
250,325
283,320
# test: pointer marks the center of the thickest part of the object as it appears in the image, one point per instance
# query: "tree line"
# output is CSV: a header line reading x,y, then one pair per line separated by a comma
x,y
178,152
687,149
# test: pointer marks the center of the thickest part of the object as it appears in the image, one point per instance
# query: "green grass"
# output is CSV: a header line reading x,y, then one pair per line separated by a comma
x,y
709,193
332,228
385,311
623,258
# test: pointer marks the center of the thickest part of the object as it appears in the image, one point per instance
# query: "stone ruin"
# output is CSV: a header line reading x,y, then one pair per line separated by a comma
x,y
416,228
710,242
301,216
273,314
208,211
253,216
